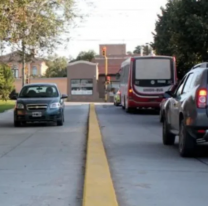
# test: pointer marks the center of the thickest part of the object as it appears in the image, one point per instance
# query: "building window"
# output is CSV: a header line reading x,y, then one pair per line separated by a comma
x,y
34,71
81,86
15,71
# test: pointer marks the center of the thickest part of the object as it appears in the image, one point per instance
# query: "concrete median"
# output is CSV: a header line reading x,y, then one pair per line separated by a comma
x,y
98,185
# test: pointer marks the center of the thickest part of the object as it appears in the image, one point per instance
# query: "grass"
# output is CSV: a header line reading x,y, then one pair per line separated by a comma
x,y
6,105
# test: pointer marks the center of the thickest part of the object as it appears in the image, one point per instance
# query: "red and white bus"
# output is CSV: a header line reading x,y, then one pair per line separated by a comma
x,y
144,79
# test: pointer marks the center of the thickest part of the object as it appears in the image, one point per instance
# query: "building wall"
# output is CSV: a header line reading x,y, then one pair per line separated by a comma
x,y
113,49
64,87
101,84
43,69
61,83
83,70
40,66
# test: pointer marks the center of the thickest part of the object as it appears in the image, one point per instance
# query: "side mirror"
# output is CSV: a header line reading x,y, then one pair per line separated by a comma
x,y
167,94
64,96
118,76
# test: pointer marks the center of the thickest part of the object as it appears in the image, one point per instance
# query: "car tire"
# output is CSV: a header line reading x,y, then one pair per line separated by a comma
x,y
161,116
187,144
61,121
17,124
168,137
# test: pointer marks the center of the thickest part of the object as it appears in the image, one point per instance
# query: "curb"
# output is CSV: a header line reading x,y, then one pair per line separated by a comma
x,y
98,185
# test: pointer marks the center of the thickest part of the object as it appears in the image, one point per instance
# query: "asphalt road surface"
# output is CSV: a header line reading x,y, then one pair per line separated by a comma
x,y
43,165
144,171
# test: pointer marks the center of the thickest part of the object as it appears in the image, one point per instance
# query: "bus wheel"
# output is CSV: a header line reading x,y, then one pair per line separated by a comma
x,y
123,106
129,110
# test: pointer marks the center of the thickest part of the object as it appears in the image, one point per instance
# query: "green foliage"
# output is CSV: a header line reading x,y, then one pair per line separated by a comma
x,y
182,31
6,105
146,50
56,67
37,23
34,25
6,81
86,56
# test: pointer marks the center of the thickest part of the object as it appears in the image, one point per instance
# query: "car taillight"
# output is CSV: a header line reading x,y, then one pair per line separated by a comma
x,y
202,98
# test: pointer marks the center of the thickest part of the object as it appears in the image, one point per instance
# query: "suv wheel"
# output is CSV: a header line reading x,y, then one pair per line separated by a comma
x,y
129,110
168,137
187,144
61,121
17,124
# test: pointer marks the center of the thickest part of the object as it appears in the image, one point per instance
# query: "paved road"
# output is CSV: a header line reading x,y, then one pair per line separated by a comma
x,y
144,171
43,165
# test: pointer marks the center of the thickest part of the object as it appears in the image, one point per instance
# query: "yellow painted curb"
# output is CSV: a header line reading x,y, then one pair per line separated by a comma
x,y
98,185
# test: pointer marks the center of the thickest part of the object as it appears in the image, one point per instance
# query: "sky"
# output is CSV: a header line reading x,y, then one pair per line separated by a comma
x,y
130,22
112,21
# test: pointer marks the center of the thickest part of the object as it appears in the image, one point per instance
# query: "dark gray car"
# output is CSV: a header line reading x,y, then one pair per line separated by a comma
x,y
186,112
39,103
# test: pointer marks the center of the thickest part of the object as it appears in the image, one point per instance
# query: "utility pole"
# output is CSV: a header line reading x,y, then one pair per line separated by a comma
x,y
141,51
23,63
106,72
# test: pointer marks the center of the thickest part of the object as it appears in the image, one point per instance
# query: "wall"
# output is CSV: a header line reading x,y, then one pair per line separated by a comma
x,y
113,49
83,70
61,83
40,65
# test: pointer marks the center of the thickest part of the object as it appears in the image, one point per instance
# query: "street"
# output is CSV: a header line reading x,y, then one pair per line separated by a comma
x,y
144,171
43,165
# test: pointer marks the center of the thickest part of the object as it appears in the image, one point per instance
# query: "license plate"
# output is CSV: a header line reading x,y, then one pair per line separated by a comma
x,y
37,114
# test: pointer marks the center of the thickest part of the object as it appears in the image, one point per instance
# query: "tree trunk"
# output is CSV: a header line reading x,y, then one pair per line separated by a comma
x,y
23,63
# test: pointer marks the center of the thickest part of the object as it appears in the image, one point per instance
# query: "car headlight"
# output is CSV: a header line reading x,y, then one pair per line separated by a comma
x,y
20,106
54,105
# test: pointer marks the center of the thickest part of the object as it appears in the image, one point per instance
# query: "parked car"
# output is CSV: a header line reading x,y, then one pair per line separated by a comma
x,y
117,98
186,111
39,103
164,100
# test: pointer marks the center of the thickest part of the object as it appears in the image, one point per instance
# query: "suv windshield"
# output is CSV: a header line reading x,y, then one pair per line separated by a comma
x,y
39,91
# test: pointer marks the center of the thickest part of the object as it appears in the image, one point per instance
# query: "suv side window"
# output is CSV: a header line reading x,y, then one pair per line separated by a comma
x,y
180,87
178,92
188,84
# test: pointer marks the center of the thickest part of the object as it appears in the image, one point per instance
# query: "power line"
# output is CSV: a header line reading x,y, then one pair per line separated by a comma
x,y
122,40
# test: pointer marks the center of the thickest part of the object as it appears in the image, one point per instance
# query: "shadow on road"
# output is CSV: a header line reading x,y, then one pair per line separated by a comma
x,y
201,150
10,125
147,112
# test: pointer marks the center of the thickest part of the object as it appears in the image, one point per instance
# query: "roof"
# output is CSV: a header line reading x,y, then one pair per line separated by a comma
x,y
83,62
16,57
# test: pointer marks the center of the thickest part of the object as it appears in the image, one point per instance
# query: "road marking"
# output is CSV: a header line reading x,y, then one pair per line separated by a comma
x,y
98,185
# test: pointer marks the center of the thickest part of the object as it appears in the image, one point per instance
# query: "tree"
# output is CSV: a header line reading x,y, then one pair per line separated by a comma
x,y
56,67
86,56
146,50
6,81
34,24
129,53
182,31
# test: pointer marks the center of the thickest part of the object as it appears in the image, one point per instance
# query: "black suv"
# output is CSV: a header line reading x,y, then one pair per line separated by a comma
x,y
186,111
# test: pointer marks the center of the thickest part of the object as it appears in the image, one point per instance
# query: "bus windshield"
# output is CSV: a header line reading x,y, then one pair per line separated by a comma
x,y
153,71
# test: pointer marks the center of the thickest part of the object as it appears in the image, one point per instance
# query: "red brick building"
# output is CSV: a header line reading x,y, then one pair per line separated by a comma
x,y
116,54
85,81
